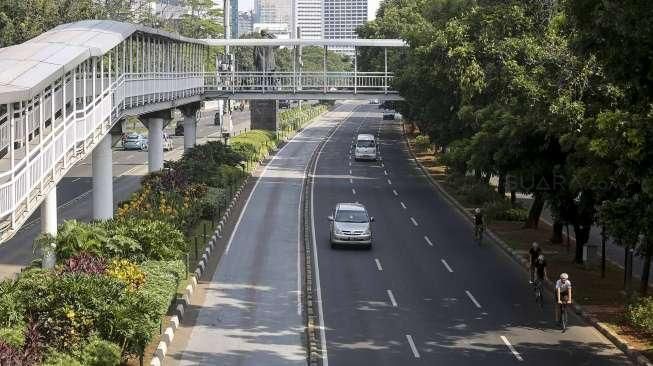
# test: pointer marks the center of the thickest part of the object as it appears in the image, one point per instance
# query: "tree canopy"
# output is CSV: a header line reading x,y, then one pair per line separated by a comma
x,y
554,96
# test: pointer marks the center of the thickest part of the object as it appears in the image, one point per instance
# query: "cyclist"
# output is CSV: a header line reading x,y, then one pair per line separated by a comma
x,y
533,254
479,224
539,267
562,293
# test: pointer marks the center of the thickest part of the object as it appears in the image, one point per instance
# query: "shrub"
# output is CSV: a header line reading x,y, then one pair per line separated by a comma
x,y
98,352
502,210
60,359
457,155
85,263
13,336
11,309
260,141
210,202
126,272
75,237
640,314
422,143
478,193
163,278
158,240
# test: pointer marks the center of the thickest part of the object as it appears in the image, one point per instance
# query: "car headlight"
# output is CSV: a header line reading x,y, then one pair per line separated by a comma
x,y
337,231
367,232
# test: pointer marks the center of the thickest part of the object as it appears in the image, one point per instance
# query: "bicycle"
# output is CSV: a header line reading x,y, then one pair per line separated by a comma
x,y
563,315
537,288
478,234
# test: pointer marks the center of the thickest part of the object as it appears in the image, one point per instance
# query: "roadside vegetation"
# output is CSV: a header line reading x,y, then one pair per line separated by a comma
x,y
548,99
114,281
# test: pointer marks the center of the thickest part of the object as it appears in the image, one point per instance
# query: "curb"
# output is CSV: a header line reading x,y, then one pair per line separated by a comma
x,y
634,355
180,305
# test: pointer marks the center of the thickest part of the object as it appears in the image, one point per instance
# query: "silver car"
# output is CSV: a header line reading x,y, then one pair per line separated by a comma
x,y
350,225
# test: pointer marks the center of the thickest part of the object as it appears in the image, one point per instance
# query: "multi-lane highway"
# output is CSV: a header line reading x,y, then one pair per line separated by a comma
x,y
426,293
74,198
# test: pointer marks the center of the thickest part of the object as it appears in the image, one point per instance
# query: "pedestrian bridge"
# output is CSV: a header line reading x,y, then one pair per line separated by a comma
x,y
63,91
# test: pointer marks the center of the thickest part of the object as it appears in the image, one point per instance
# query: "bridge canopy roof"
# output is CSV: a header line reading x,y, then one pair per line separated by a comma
x,y
26,68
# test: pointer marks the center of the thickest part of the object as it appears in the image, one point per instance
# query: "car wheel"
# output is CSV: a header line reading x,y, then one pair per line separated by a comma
x,y
144,147
334,245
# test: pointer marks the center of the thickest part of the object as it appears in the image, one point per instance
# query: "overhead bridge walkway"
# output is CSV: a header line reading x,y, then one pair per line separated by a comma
x,y
62,92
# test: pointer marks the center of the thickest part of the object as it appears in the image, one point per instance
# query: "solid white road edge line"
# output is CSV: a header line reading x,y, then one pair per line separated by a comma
x,y
392,299
471,297
412,345
512,349
325,355
414,222
378,264
428,241
446,265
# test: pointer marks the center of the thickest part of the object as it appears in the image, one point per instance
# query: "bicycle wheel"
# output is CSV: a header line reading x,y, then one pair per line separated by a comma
x,y
538,296
563,318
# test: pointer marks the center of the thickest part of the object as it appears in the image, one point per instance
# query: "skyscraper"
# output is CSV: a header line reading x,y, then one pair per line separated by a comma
x,y
309,18
273,11
341,18
234,18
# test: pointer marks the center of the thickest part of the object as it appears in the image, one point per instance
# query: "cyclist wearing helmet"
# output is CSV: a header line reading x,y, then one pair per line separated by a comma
x,y
562,293
533,254
479,223
539,268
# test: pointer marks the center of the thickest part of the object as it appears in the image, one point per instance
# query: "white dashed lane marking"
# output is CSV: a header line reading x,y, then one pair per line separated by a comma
x,y
378,264
403,205
512,349
471,297
395,192
446,265
412,345
428,241
392,299
414,221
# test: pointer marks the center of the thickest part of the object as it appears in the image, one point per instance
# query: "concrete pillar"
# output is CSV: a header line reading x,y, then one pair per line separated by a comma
x,y
155,144
190,124
49,212
263,114
103,180
190,132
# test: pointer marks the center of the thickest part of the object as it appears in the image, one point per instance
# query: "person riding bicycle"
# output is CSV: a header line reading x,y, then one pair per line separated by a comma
x,y
479,224
533,254
562,293
539,267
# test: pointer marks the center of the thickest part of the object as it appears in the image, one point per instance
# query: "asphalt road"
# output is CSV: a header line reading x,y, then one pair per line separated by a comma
x,y
74,191
426,293
251,312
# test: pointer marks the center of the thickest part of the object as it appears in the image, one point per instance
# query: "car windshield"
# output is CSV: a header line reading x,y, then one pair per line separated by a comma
x,y
351,216
133,137
365,143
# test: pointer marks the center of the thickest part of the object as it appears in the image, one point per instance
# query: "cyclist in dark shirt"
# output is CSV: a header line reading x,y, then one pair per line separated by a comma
x,y
479,224
534,253
539,267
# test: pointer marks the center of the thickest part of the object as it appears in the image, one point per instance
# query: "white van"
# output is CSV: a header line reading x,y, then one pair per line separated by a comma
x,y
365,147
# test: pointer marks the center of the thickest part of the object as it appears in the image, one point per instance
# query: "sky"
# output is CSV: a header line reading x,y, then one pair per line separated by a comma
x,y
372,5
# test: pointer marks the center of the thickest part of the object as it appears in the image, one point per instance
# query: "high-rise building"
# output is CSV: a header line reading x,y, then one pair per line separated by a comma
x,y
309,18
273,11
341,18
234,18
245,23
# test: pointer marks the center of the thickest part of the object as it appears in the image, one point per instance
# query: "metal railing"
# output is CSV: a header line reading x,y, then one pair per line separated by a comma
x,y
304,82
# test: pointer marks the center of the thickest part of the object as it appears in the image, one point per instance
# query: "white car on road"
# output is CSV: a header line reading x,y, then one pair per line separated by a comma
x,y
351,225
365,147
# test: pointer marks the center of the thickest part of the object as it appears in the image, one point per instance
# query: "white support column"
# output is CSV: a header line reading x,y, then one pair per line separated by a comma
x,y
355,71
190,131
385,76
155,148
324,81
49,212
102,180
